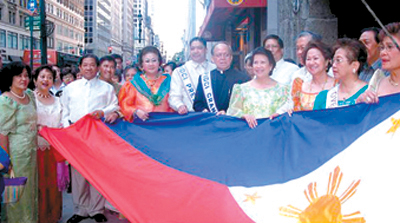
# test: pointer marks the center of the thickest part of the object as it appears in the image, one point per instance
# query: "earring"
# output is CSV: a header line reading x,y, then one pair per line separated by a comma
x,y
354,70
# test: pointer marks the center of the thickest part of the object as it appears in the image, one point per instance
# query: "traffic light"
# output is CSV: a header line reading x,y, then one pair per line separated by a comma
x,y
140,31
110,49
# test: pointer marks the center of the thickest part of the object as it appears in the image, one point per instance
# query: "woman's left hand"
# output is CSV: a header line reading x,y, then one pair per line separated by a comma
x,y
251,121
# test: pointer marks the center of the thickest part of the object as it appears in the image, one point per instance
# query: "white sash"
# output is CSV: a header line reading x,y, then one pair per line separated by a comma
x,y
208,93
332,97
187,82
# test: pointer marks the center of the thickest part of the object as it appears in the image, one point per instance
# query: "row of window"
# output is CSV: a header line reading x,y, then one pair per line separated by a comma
x,y
10,40
64,15
70,4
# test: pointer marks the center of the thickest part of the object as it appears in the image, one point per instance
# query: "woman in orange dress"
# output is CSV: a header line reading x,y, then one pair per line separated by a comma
x,y
148,90
317,57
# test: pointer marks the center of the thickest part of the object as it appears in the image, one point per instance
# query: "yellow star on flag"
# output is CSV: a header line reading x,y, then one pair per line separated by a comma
x,y
396,125
252,198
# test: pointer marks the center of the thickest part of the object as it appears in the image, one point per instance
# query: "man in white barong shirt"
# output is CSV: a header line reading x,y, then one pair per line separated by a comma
x,y
185,78
88,95
283,70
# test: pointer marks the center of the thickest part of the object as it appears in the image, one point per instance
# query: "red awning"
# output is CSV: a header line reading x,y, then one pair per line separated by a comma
x,y
222,11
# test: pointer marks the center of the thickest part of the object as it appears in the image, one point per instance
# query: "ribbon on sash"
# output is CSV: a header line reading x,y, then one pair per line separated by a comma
x,y
332,97
187,82
208,93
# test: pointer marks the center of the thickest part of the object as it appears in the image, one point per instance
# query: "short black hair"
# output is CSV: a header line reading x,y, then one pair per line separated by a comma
x,y
375,30
116,56
68,70
262,51
89,55
172,64
9,71
35,74
108,58
149,49
199,39
275,37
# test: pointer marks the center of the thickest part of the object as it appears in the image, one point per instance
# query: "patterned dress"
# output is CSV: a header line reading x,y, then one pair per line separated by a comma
x,y
261,103
50,198
18,123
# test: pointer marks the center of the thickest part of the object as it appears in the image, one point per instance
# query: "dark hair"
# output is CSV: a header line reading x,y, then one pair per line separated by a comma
x,y
355,49
319,45
9,71
221,43
172,64
89,55
116,56
108,58
35,74
375,30
392,28
313,36
68,70
199,39
262,51
275,37
131,67
149,49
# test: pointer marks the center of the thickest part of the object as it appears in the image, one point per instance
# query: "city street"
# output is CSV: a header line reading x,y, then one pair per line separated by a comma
x,y
68,211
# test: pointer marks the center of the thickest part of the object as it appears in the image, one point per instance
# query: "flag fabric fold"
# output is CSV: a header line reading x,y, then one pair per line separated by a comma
x,y
206,168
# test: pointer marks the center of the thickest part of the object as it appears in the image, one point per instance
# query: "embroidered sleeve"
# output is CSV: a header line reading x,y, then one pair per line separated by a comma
x,y
236,103
8,122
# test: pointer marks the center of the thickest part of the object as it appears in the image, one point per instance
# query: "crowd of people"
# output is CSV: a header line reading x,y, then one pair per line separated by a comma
x,y
351,71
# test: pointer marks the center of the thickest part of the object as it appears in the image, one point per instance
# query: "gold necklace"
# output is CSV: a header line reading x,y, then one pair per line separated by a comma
x,y
323,86
42,95
17,96
151,82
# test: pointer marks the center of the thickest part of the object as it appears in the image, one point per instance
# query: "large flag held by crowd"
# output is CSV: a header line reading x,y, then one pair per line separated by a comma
x,y
336,165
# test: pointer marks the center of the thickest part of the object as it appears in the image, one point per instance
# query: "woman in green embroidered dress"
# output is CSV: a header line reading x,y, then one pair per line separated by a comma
x,y
350,55
148,90
18,135
262,96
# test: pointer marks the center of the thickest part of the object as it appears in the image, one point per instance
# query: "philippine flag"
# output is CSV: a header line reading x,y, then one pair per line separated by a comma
x,y
336,165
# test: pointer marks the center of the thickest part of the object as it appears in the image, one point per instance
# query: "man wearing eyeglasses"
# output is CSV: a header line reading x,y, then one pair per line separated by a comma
x,y
214,88
283,70
369,37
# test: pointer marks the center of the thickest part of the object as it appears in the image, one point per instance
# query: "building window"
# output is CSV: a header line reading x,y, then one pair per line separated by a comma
x,y
12,40
2,38
11,17
24,42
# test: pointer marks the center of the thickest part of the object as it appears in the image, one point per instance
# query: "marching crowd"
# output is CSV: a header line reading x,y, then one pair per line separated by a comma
x,y
351,71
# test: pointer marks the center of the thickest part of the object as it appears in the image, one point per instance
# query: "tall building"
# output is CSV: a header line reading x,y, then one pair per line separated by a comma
x,y
143,30
98,27
116,26
127,30
65,16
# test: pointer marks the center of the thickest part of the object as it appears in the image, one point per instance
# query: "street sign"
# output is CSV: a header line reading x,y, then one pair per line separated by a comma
x,y
32,6
36,23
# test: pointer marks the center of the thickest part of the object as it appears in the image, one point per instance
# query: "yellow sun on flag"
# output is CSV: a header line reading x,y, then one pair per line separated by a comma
x,y
327,208
252,198
396,125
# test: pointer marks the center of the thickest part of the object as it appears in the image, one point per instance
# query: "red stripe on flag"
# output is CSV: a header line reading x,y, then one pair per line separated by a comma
x,y
143,189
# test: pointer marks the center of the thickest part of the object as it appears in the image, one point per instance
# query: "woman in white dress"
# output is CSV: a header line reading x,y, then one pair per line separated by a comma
x,y
49,114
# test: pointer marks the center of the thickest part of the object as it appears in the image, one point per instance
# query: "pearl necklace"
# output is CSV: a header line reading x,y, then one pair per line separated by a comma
x,y
42,95
394,84
17,96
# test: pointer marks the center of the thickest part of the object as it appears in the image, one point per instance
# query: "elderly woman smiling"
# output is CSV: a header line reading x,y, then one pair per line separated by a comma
x,y
262,96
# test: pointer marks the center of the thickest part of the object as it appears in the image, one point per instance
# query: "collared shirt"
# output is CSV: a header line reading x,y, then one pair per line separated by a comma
x,y
57,92
177,94
222,83
283,72
368,71
85,96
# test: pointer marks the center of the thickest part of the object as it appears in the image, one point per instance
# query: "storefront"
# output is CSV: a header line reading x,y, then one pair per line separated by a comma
x,y
242,23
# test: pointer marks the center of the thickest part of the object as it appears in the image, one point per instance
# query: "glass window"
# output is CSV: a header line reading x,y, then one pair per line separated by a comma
x,y
2,38
12,40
